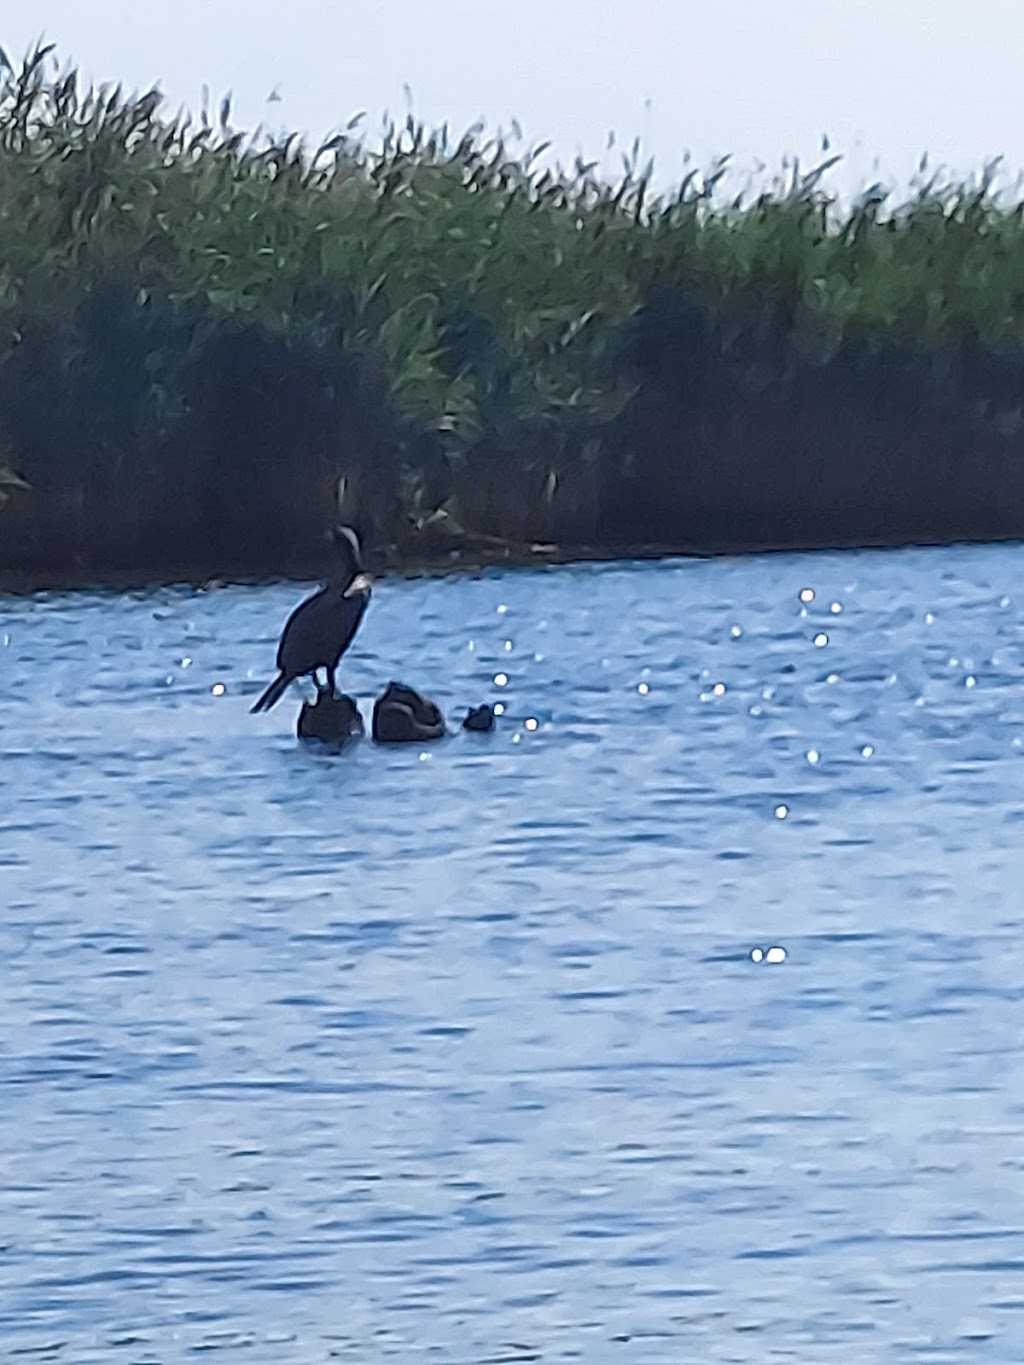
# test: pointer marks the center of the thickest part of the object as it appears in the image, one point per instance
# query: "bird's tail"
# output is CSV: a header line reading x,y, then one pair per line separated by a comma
x,y
273,694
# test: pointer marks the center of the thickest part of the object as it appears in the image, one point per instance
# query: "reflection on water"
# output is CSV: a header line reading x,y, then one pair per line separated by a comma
x,y
468,1053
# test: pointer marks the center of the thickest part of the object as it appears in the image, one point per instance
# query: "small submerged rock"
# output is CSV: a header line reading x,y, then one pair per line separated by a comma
x,y
331,720
479,718
401,715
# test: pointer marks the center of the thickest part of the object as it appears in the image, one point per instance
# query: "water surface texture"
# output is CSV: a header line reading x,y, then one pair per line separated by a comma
x,y
461,1053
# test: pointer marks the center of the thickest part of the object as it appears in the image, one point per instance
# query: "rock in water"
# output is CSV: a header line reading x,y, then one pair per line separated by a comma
x,y
479,718
331,720
402,716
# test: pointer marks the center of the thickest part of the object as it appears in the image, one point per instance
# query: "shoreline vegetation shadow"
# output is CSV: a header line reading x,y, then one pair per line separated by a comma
x,y
205,339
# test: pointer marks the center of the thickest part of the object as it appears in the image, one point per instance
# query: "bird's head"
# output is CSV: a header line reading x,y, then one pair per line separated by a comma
x,y
350,556
347,541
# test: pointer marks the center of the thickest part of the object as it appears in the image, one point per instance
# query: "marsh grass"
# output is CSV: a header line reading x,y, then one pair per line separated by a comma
x,y
204,335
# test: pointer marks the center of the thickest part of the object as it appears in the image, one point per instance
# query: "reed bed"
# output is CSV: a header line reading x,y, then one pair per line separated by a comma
x,y
206,338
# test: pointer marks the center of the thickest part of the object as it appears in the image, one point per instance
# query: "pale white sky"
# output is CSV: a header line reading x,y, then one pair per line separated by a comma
x,y
884,79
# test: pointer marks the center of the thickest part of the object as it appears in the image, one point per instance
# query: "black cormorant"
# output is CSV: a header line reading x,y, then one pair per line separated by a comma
x,y
320,629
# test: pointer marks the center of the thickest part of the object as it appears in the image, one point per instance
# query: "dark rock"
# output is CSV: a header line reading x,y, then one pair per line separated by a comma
x,y
479,718
402,716
330,720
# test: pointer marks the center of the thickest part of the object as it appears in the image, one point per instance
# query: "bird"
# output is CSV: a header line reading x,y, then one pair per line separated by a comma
x,y
321,628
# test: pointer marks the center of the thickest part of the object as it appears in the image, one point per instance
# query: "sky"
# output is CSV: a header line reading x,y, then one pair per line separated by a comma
x,y
885,80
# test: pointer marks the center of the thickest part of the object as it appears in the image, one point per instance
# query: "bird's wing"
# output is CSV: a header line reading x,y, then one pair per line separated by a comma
x,y
300,632
320,630
345,621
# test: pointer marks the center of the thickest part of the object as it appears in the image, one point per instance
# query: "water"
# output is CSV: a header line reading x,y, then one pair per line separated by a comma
x,y
460,1053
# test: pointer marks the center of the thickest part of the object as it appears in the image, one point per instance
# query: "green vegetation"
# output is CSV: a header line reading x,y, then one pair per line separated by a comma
x,y
202,337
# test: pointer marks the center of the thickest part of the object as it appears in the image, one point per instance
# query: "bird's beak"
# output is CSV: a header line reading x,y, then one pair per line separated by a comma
x,y
358,584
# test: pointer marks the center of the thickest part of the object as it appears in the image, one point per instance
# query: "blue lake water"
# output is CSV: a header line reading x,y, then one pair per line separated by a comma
x,y
460,1053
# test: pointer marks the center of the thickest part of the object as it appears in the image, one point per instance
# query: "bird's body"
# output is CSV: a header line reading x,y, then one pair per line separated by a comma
x,y
320,629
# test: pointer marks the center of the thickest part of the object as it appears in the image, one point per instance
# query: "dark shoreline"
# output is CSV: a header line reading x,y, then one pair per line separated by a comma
x,y
23,583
